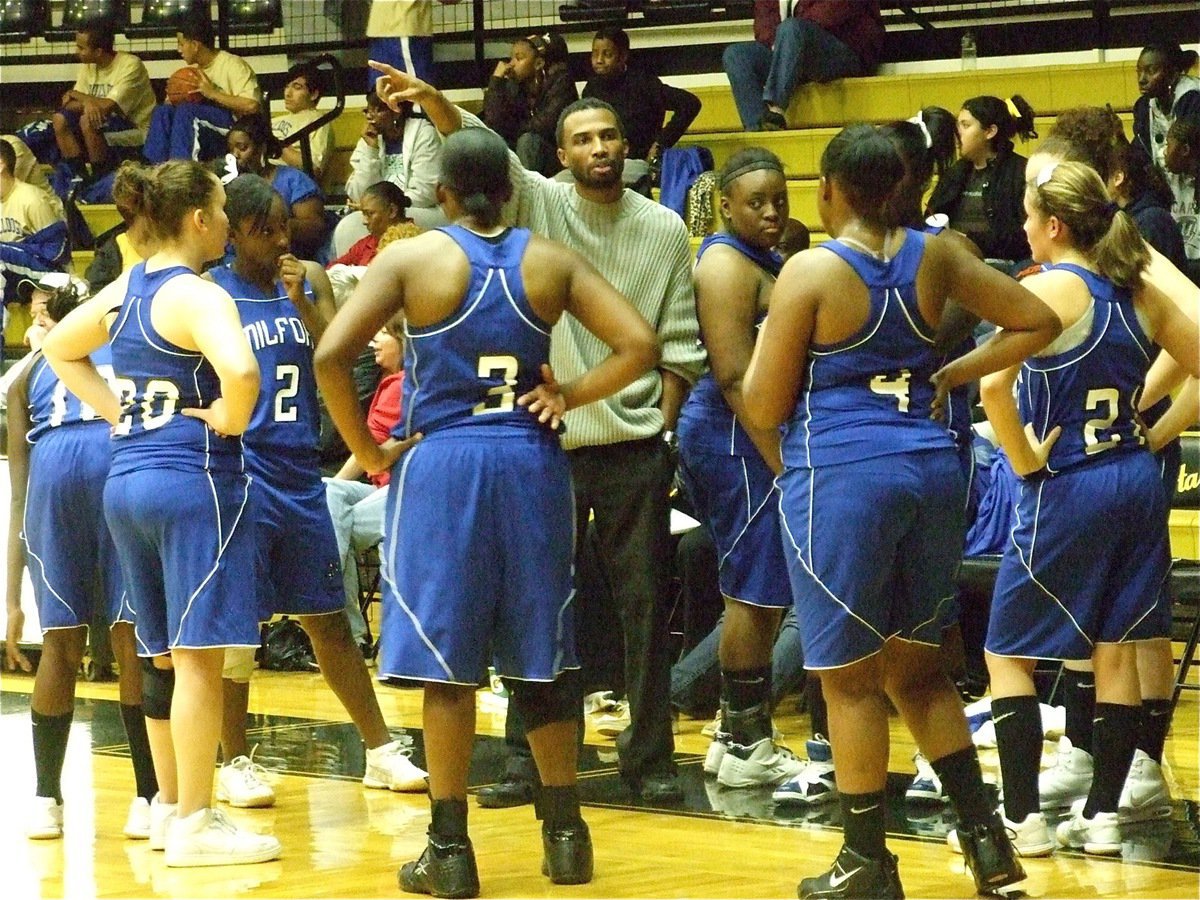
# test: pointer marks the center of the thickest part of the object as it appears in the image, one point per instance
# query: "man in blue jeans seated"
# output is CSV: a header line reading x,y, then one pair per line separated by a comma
x,y
228,88
820,41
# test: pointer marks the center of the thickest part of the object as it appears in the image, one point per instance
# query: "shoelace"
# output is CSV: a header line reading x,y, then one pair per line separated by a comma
x,y
221,822
395,748
251,772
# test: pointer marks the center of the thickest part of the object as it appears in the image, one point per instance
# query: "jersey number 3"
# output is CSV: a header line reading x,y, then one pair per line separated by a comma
x,y
502,397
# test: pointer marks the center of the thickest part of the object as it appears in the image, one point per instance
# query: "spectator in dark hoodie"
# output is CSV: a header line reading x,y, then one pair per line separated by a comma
x,y
1140,189
821,40
640,99
525,96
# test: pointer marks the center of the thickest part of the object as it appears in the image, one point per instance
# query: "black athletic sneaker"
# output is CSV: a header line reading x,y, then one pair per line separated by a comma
x,y
855,877
446,869
990,855
568,854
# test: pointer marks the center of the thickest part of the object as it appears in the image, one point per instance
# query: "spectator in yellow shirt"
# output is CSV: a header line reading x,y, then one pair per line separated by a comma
x,y
305,87
228,90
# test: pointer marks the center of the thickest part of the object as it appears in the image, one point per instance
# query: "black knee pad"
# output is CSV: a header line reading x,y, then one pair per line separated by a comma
x,y
546,702
158,685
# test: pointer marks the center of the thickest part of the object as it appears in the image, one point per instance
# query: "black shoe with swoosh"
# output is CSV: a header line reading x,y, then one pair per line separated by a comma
x,y
855,877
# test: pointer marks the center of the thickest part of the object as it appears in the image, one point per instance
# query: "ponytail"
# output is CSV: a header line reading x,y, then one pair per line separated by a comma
x,y
1013,117
162,196
1074,193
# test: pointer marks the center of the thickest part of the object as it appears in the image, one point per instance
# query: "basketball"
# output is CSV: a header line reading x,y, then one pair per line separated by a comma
x,y
183,84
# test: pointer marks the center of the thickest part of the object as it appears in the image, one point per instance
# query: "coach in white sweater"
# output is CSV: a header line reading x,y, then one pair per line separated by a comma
x,y
621,464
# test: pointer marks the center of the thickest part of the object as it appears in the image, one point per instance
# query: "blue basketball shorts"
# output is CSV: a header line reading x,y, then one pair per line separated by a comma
x,y
873,549
186,543
735,497
478,560
72,561
297,555
1086,562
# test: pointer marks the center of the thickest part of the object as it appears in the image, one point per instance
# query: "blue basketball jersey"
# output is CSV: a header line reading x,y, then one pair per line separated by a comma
x,y
706,420
870,395
281,442
470,368
51,405
156,379
958,406
1092,389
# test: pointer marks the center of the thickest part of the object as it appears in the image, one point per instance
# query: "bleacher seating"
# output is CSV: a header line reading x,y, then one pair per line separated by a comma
x,y
77,13
160,17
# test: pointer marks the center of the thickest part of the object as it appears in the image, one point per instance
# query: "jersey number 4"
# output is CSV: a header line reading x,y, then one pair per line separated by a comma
x,y
894,386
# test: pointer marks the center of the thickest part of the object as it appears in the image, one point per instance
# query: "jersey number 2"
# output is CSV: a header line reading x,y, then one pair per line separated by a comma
x,y
289,375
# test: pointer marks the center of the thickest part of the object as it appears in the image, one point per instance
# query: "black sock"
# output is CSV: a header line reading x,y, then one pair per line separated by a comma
x,y
77,165
864,817
139,750
1116,728
1079,698
449,819
49,750
962,780
748,716
817,710
1018,724
1152,734
558,807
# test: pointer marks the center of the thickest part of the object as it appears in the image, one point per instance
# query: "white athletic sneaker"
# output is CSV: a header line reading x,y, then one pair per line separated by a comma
x,y
1030,837
926,787
207,838
241,784
816,781
984,737
1054,721
1100,835
137,823
716,752
1068,780
45,819
1146,794
390,768
765,763
614,723
160,815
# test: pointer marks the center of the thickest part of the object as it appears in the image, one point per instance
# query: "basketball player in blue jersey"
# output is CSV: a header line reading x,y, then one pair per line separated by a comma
x,y
1146,794
729,470
873,494
58,456
479,512
177,499
285,304
1073,436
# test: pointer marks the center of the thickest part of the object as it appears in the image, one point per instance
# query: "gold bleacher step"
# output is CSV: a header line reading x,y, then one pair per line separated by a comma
x,y
1049,90
800,150
100,217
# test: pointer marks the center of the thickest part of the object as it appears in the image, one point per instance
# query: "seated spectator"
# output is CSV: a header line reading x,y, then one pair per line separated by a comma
x,y
400,147
1167,93
640,99
525,96
33,233
1183,165
820,41
356,506
109,106
1141,190
228,90
28,169
305,86
382,206
983,194
252,145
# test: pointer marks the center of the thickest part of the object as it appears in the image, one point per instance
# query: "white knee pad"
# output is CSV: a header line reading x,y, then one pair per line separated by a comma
x,y
239,663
